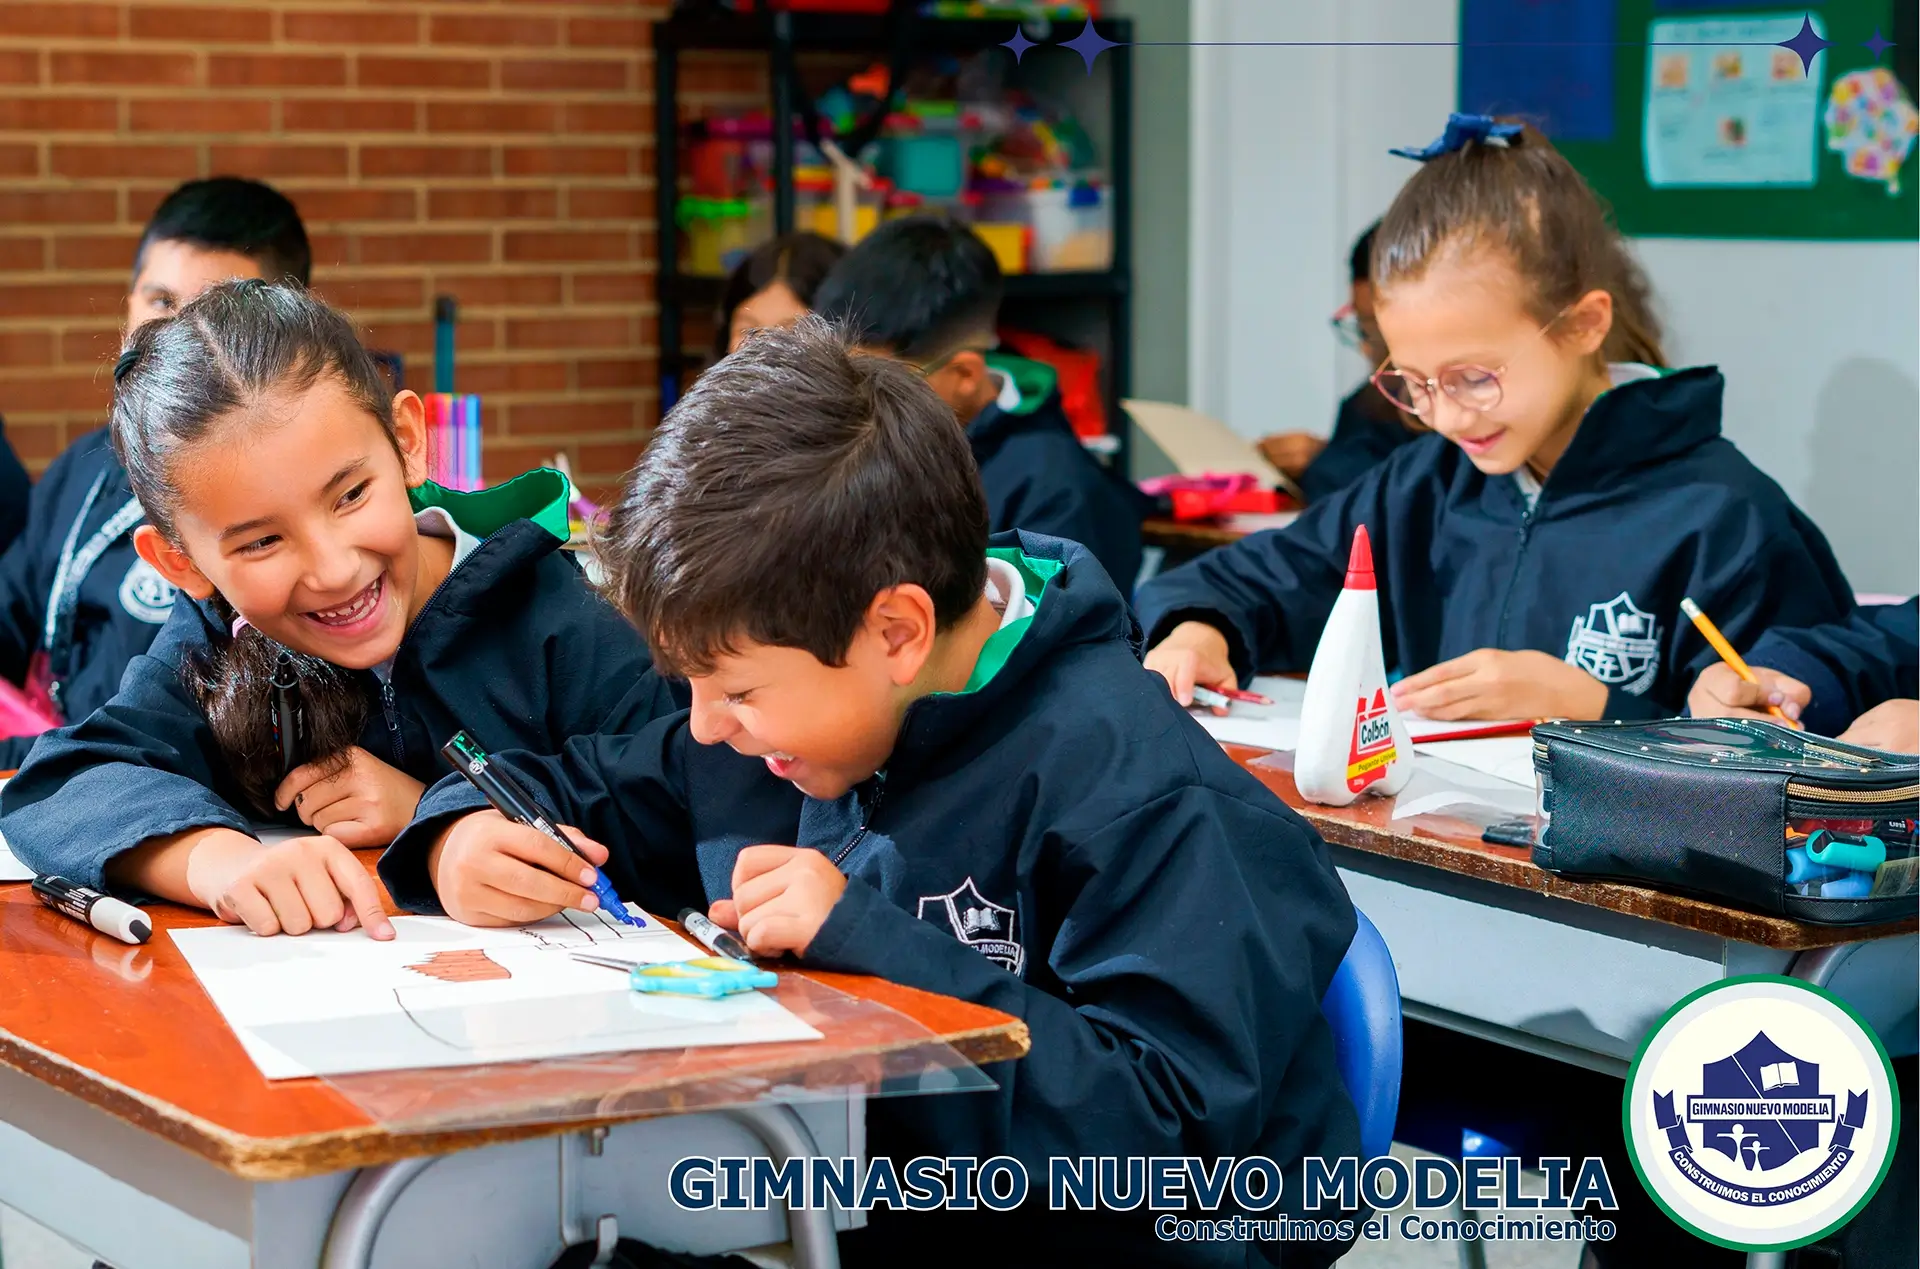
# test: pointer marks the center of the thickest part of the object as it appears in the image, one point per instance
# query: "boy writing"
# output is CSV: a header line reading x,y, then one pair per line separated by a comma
x,y
76,602
925,290
918,752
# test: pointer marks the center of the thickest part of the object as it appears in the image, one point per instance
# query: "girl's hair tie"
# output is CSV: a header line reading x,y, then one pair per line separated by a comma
x,y
129,358
239,623
1460,130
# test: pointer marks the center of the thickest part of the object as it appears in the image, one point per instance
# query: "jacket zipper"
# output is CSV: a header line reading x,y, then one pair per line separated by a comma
x,y
866,821
394,738
1513,582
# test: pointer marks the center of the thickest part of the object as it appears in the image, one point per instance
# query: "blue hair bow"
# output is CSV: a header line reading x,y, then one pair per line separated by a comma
x,y
1460,130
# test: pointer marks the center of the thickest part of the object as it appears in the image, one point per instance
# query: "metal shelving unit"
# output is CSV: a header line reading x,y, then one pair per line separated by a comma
x,y
1088,308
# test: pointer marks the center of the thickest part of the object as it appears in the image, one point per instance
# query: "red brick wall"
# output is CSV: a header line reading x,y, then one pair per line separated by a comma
x,y
500,152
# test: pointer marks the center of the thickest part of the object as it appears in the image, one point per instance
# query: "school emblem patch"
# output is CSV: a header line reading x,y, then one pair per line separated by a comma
x,y
145,594
978,922
1617,643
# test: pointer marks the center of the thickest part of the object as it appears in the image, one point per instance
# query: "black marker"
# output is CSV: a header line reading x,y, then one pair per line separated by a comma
x,y
90,907
286,715
719,939
513,802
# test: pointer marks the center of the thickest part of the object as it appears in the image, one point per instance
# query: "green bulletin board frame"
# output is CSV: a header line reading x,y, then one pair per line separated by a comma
x,y
1837,206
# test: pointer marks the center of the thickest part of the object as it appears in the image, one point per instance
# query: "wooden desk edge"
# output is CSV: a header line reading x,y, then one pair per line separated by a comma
x,y
1462,859
295,1157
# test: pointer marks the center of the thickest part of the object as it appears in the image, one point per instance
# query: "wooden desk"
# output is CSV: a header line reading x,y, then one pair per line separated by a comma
x,y
1488,943
134,1123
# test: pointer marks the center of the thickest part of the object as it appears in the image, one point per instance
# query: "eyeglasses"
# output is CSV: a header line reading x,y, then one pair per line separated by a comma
x,y
934,367
1350,330
1475,388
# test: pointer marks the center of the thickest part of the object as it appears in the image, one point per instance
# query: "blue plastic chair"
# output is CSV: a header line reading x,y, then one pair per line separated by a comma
x,y
1362,1006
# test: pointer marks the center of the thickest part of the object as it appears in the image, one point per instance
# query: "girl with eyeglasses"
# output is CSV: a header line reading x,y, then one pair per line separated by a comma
x,y
1533,549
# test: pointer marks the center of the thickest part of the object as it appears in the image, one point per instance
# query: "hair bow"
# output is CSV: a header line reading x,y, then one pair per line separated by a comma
x,y
1460,130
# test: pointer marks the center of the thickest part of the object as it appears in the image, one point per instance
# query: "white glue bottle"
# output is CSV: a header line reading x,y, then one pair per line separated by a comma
x,y
1352,739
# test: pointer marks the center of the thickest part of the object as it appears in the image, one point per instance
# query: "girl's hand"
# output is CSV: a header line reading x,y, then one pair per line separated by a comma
x,y
1193,652
781,898
490,871
1292,452
1892,725
366,803
1489,683
308,883
1720,693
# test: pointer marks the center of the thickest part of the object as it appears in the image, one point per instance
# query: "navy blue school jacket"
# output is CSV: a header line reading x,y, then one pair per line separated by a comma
x,y
1365,434
1870,658
114,603
1062,843
1648,504
514,647
14,486
1039,477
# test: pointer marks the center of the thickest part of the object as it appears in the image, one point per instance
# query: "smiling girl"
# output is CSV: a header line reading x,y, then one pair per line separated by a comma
x,y
1534,548
346,617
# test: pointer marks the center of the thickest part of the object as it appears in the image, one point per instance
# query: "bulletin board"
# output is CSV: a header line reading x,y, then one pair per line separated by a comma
x,y
1584,80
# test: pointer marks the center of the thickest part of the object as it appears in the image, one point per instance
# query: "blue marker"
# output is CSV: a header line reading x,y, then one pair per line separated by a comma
x,y
512,801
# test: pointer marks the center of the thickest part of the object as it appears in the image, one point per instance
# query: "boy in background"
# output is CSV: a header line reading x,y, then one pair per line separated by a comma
x,y
921,753
926,291
1368,428
76,602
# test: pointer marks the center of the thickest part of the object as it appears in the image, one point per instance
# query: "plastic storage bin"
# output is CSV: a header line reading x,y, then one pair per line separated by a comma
x,y
1072,226
720,232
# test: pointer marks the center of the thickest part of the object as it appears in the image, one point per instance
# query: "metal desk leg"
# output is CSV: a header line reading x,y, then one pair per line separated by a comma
x,y
369,1197
785,1136
1766,1260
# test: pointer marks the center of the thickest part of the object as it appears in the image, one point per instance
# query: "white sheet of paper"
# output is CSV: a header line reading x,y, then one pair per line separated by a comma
x,y
1508,758
1438,783
11,869
1277,726
445,994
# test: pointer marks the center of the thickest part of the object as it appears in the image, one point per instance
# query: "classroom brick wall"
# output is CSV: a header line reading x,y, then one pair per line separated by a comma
x,y
500,152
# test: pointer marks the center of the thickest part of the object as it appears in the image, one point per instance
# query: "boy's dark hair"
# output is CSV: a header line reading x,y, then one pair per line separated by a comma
x,y
801,260
1524,199
231,213
180,377
922,287
1360,260
796,481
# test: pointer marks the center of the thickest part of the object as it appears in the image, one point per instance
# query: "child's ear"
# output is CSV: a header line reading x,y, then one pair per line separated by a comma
x,y
1588,323
170,562
902,623
410,434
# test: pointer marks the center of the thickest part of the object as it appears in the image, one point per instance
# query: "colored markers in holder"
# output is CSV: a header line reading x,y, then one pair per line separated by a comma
x,y
453,440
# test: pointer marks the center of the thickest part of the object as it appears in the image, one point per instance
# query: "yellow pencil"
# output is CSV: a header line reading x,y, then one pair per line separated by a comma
x,y
1733,659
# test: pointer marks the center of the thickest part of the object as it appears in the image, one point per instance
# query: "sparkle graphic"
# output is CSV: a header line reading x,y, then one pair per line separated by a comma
x,y
1877,45
1019,44
1807,44
1089,44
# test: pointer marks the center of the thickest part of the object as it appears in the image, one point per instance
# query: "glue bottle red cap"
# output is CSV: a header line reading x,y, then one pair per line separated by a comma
x,y
1360,562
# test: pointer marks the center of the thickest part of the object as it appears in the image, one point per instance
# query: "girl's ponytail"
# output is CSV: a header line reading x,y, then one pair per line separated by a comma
x,y
221,356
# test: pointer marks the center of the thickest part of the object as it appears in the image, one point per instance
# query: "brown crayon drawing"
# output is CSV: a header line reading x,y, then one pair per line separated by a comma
x,y
462,967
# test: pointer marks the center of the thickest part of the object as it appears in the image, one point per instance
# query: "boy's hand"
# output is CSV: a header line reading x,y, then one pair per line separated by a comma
x,y
1489,683
1720,693
365,803
1891,725
781,898
308,883
1292,452
488,870
1193,652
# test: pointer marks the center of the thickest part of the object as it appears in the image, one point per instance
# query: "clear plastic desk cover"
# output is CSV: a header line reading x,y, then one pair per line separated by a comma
x,y
867,1049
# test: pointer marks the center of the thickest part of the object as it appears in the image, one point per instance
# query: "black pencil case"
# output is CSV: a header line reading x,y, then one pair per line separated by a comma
x,y
1739,811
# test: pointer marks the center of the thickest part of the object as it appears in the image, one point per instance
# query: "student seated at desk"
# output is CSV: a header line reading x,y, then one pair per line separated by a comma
x,y
922,753
1532,551
285,492
1857,679
75,561
1368,428
925,290
773,287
